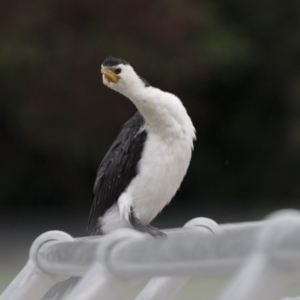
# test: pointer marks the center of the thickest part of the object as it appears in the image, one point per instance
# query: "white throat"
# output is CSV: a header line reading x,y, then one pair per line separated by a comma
x,y
163,112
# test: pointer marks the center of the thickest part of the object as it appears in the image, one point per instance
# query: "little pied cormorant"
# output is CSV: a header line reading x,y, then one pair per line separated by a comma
x,y
145,165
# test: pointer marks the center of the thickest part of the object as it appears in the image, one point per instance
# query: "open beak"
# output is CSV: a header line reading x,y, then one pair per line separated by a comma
x,y
110,75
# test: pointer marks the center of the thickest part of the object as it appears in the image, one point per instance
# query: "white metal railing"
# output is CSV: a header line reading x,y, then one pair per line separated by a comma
x,y
263,256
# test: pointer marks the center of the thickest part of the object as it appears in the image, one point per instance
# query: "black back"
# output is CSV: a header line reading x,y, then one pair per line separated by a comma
x,y
117,169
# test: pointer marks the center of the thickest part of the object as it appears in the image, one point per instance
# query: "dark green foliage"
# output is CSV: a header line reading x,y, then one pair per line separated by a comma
x,y
235,64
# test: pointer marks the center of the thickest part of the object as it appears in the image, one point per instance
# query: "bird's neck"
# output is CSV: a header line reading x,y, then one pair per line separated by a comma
x,y
163,112
146,100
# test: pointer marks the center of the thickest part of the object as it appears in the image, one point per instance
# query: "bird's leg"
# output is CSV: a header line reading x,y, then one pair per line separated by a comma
x,y
137,225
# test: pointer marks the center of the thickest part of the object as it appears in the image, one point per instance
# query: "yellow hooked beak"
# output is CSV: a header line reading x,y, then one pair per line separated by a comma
x,y
110,75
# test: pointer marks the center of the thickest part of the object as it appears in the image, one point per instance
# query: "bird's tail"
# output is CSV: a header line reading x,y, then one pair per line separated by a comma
x,y
57,291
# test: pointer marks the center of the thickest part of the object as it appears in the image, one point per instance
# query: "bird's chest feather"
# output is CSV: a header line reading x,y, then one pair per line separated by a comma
x,y
163,164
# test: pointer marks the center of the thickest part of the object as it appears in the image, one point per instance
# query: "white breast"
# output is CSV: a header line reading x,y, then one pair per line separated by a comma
x,y
160,173
162,167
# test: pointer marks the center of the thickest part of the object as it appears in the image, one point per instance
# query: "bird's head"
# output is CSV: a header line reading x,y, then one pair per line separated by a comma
x,y
119,75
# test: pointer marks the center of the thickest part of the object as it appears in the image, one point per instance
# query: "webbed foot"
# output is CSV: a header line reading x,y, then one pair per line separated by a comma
x,y
137,225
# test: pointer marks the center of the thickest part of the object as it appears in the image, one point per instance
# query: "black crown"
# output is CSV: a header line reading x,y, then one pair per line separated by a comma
x,y
113,61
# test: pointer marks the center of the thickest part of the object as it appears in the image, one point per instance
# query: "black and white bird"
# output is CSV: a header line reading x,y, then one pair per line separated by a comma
x,y
147,162
145,165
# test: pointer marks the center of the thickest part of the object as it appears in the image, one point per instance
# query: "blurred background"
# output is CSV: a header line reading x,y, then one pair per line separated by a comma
x,y
234,64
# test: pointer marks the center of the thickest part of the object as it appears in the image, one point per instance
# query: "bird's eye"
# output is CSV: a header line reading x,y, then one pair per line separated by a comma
x,y
118,71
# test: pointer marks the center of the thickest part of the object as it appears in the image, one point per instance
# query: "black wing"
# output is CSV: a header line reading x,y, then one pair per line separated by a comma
x,y
117,169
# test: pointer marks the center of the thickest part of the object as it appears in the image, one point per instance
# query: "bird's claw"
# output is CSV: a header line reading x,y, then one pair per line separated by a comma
x,y
155,232
139,226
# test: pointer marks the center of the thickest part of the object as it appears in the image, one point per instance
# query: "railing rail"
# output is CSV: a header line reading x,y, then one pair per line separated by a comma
x,y
264,255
